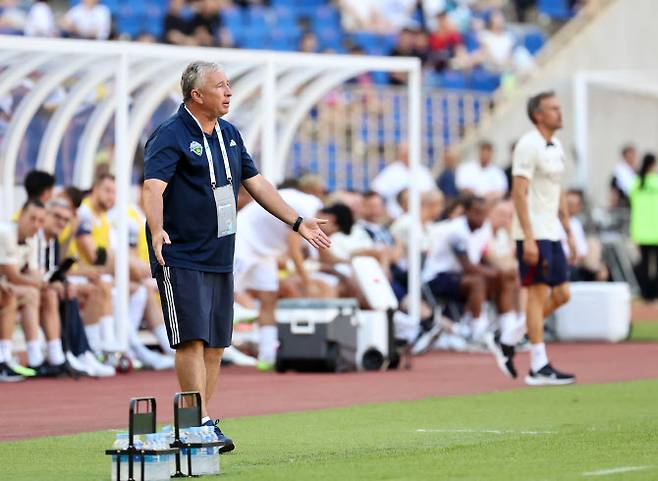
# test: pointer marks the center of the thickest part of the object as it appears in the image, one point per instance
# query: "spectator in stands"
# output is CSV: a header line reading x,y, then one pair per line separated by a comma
x,y
624,174
39,185
644,228
521,8
397,176
308,43
177,29
37,299
497,44
40,21
589,265
263,239
206,25
397,13
481,177
404,47
59,214
363,15
446,181
444,41
88,19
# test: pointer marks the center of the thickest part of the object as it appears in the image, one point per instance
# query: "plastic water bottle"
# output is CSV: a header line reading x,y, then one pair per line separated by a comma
x,y
194,436
164,468
212,452
120,442
168,438
156,466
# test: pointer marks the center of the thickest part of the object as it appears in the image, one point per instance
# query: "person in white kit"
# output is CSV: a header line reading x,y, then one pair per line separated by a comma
x,y
396,177
537,169
481,177
263,240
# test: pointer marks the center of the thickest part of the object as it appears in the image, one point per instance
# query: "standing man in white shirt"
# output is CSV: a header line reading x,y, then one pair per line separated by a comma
x,y
396,177
537,169
264,239
481,177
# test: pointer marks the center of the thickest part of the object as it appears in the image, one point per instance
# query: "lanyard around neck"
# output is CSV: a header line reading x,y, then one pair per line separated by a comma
x,y
206,146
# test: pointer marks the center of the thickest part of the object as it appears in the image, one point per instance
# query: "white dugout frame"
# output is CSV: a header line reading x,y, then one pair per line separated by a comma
x,y
132,65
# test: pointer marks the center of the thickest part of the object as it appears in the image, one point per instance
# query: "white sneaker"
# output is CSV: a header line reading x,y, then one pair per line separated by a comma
x,y
76,363
152,359
237,357
94,367
427,339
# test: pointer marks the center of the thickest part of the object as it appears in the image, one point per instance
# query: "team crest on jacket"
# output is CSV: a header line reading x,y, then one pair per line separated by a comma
x,y
196,147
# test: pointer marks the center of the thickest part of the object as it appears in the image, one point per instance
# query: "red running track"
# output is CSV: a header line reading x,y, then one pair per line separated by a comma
x,y
64,406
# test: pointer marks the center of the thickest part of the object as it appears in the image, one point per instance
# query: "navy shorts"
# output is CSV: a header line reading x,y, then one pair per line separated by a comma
x,y
196,305
447,285
552,268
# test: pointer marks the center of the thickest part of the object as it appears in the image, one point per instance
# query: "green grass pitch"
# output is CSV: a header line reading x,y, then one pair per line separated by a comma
x,y
584,432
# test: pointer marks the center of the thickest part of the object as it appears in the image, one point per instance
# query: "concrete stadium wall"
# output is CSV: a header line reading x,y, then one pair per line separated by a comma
x,y
613,35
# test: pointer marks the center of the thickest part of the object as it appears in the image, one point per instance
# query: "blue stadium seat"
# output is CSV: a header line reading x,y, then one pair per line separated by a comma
x,y
452,79
484,80
233,19
534,40
471,41
254,38
555,9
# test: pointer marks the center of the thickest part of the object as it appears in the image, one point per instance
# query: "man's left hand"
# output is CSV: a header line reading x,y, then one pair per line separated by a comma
x,y
310,230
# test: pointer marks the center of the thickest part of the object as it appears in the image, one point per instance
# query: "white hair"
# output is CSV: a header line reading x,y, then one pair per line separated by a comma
x,y
194,74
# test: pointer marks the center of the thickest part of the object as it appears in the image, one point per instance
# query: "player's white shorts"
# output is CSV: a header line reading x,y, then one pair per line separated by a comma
x,y
251,271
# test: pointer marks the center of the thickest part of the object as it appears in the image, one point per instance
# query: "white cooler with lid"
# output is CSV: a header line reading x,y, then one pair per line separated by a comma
x,y
597,311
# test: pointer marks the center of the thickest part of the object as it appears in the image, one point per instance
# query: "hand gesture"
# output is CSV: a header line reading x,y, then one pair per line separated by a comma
x,y
310,230
159,239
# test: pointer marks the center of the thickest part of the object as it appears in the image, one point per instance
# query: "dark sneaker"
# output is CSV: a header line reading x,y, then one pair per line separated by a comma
x,y
228,443
548,376
7,374
504,356
48,370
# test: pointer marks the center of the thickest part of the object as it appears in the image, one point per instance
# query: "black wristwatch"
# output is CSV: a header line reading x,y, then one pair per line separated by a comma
x,y
297,223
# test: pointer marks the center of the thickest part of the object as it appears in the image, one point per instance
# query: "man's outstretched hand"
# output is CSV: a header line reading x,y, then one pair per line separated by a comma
x,y
310,230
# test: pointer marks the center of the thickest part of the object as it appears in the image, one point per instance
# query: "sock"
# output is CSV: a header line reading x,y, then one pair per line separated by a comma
x,y
5,350
538,357
160,334
136,307
34,354
55,352
405,327
267,343
205,419
93,332
509,331
106,331
480,325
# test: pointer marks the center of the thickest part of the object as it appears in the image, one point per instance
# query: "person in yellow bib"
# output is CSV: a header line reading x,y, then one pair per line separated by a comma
x,y
644,229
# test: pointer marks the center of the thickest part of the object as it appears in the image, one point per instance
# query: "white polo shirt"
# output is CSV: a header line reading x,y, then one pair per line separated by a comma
x,y
396,177
481,180
542,163
12,253
453,237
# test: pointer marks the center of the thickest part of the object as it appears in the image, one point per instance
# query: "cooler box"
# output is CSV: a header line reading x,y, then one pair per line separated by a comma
x,y
597,311
317,334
